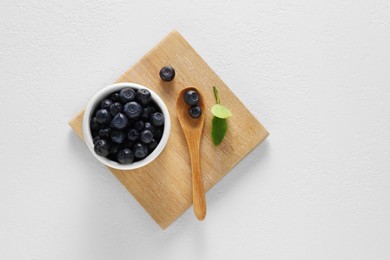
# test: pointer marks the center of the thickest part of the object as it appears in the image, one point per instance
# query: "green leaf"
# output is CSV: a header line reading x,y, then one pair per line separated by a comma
x,y
219,123
218,129
221,111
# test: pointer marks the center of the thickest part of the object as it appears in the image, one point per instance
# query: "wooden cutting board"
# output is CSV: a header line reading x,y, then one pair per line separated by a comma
x,y
163,187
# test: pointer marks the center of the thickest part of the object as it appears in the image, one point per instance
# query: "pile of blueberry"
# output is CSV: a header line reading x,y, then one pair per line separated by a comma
x,y
191,97
127,126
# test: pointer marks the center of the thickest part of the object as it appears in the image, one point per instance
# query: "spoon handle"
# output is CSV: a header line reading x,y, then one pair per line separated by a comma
x,y
198,196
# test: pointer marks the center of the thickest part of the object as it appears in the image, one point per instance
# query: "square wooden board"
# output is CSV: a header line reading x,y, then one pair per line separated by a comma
x,y
163,187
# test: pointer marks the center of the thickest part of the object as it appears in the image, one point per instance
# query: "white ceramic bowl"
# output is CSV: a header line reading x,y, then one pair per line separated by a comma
x,y
88,135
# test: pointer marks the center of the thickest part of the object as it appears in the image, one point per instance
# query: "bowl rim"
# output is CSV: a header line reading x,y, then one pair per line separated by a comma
x,y
88,135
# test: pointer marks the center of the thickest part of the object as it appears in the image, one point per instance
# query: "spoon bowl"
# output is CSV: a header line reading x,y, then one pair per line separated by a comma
x,y
182,108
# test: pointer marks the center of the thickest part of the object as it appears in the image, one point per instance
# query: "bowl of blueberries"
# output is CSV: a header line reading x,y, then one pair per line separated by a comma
x,y
126,126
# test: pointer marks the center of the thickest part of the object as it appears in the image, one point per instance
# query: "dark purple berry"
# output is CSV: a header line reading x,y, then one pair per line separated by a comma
x,y
149,126
125,156
132,110
167,73
133,134
120,121
191,97
115,97
118,136
95,139
103,117
144,96
126,95
152,145
102,147
157,119
140,150
195,111
146,136
116,108
106,103
147,112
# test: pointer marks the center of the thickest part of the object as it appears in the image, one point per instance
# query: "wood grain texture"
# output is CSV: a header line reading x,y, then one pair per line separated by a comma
x,y
164,187
193,131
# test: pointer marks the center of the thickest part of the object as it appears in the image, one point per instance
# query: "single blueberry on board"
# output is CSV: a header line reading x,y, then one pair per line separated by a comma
x,y
167,73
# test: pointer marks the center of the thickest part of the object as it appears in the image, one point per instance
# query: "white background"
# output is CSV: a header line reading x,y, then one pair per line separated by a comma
x,y
315,73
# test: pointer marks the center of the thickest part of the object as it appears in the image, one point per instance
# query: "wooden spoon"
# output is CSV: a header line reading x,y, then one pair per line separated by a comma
x,y
192,128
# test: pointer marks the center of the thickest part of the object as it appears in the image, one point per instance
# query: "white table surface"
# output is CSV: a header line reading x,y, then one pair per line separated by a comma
x,y
315,73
